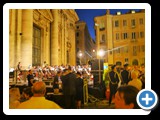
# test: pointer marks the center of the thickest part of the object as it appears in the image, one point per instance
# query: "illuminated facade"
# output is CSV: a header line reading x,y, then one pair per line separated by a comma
x,y
38,35
84,43
122,36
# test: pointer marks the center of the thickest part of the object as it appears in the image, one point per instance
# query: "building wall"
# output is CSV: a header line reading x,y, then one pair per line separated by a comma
x,y
56,33
84,43
116,43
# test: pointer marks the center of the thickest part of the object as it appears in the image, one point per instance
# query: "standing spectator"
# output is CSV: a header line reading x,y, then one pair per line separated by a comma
x,y
125,75
69,89
135,81
38,101
57,81
30,78
125,97
113,85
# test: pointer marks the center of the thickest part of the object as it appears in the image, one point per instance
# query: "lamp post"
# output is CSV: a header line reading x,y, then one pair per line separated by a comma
x,y
100,54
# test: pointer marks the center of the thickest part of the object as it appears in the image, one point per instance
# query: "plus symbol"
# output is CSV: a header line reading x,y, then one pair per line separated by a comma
x,y
147,99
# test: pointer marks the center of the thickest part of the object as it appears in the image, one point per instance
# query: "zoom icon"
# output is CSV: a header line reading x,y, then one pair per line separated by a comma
x,y
147,99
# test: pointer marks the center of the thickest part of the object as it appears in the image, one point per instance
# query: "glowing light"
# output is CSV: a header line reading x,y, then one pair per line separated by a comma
x,y
101,53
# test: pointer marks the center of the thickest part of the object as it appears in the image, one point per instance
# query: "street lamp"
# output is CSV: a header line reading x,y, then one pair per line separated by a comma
x,y
100,54
80,55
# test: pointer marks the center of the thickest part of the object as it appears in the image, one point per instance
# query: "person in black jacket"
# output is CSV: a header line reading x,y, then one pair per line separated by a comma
x,y
69,89
125,75
30,78
113,84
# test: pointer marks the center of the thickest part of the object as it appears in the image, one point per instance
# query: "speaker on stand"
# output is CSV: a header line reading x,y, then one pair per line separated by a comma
x,y
98,89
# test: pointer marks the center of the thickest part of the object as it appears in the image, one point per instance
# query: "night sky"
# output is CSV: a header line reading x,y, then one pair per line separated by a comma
x,y
87,15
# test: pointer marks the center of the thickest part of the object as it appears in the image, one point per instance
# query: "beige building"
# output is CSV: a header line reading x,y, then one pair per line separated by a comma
x,y
122,36
38,35
84,43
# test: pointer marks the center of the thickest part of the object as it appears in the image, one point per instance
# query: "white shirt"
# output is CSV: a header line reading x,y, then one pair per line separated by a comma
x,y
38,103
136,83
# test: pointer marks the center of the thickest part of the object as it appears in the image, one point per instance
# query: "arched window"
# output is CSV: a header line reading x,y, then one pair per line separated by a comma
x,y
135,62
119,63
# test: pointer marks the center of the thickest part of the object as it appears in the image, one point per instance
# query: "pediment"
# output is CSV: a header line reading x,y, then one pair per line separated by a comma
x,y
46,13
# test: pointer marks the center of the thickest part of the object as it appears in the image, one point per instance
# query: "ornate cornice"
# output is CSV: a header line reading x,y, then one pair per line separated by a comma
x,y
46,13
40,19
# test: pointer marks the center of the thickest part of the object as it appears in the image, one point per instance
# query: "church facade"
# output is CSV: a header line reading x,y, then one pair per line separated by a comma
x,y
38,35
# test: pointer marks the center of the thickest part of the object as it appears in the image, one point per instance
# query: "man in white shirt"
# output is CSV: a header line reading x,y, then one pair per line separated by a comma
x,y
135,81
38,101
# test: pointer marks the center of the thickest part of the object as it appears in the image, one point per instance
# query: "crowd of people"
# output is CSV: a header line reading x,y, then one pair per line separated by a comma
x,y
126,76
69,80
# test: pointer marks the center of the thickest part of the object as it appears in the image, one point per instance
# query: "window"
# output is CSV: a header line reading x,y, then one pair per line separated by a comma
x,y
126,49
135,62
36,46
133,22
77,34
117,36
119,63
125,36
102,26
77,27
116,23
141,34
141,21
77,42
102,39
133,35
124,22
143,48
126,60
71,24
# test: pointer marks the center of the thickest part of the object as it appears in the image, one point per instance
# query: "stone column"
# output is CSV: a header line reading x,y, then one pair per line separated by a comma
x,y
63,40
72,49
12,38
109,39
27,32
47,39
54,38
19,35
